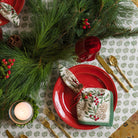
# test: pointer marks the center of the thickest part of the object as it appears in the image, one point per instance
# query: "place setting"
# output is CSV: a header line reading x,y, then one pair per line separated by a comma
x,y
94,68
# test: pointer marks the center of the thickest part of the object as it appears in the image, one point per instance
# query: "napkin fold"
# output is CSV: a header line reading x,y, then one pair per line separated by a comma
x,y
9,13
94,105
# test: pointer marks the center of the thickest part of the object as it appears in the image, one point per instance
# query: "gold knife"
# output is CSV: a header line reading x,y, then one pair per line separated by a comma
x,y
9,134
23,136
109,70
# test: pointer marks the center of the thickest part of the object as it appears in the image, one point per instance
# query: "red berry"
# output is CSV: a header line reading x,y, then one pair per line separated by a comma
x,y
101,94
89,26
90,115
90,95
9,72
13,60
7,76
9,66
96,98
94,116
97,118
95,101
86,19
5,63
10,60
84,27
86,23
86,97
3,60
12,64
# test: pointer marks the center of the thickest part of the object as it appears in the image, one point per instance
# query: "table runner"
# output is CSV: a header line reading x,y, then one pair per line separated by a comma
x,y
126,51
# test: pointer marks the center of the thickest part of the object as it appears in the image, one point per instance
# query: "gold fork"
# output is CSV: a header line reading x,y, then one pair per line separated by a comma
x,y
47,125
51,116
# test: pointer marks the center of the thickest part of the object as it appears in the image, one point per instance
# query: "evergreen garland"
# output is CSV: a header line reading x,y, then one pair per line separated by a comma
x,y
57,27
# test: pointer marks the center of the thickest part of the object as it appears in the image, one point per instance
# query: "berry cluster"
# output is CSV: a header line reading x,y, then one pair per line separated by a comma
x,y
86,96
86,24
95,117
96,100
5,68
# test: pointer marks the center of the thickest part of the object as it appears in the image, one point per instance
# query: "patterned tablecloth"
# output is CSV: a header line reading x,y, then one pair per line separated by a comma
x,y
126,51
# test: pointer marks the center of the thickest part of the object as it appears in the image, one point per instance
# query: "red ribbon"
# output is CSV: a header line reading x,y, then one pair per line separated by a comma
x,y
76,97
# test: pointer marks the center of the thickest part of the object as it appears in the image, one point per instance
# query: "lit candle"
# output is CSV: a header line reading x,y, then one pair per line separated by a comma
x,y
23,111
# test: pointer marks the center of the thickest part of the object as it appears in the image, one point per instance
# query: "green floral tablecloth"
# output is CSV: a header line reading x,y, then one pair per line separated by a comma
x,y
126,51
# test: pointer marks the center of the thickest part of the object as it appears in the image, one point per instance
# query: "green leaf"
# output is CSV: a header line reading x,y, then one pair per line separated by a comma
x,y
98,106
86,113
94,110
79,32
106,100
106,96
101,101
89,108
91,111
1,92
100,97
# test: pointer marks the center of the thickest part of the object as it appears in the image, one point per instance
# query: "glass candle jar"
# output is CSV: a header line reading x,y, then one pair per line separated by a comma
x,y
21,112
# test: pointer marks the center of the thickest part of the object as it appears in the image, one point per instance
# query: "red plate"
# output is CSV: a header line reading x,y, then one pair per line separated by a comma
x,y
89,76
17,4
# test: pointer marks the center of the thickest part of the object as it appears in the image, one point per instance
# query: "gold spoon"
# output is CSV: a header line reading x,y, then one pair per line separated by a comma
x,y
113,62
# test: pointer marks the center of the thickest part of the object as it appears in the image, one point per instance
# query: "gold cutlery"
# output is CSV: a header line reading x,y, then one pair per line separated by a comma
x,y
9,134
47,125
113,62
109,70
51,116
23,136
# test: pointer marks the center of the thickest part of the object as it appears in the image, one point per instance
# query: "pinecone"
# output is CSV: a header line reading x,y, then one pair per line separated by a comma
x,y
15,41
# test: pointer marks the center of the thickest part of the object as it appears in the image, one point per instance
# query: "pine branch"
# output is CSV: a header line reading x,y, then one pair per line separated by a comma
x,y
26,77
57,27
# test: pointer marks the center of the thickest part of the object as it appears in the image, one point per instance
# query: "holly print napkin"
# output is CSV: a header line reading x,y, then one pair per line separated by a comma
x,y
94,105
8,12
